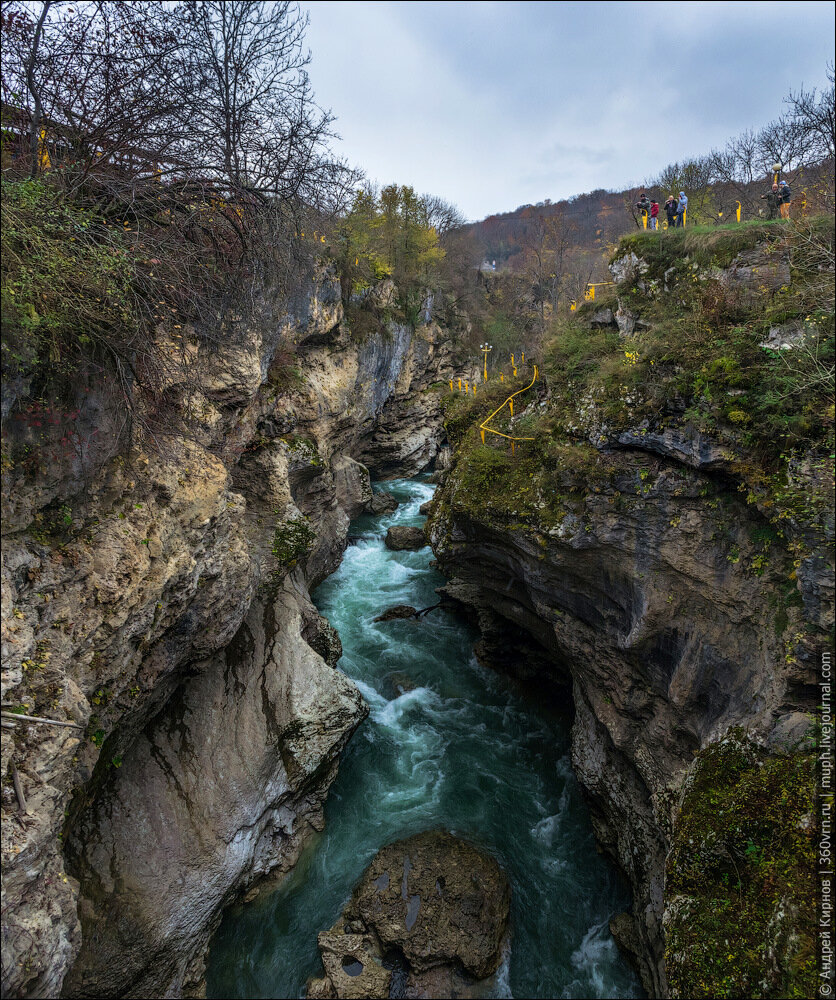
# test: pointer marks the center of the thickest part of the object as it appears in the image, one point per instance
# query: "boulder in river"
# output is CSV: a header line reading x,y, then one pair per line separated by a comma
x,y
398,611
429,918
382,503
424,509
400,537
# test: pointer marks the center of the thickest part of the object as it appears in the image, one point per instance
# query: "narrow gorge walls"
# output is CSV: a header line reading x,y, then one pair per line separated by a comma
x,y
169,619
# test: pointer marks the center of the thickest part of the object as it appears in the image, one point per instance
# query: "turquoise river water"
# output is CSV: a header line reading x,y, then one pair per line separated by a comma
x,y
448,744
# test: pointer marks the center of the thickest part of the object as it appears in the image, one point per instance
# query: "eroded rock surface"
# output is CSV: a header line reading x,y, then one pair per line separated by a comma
x,y
398,611
160,600
429,917
644,596
400,537
382,503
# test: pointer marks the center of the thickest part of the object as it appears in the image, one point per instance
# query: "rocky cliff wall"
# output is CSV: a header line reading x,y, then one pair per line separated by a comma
x,y
682,608
668,644
158,599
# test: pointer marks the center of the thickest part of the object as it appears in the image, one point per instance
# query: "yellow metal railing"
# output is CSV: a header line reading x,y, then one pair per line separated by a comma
x,y
509,402
589,294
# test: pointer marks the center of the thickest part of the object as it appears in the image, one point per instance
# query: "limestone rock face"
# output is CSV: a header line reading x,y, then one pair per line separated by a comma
x,y
400,537
432,910
602,318
758,268
159,599
227,790
407,433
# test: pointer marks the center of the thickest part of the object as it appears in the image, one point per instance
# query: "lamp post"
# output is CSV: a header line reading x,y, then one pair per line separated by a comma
x,y
485,348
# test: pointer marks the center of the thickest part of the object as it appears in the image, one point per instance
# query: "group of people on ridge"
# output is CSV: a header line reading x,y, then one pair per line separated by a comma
x,y
778,200
674,209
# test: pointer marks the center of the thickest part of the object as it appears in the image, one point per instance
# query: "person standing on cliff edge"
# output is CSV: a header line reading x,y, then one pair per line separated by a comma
x,y
786,198
681,209
670,210
773,201
654,215
643,205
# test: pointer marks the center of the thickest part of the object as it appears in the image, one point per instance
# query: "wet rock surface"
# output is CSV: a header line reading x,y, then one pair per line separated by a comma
x,y
382,503
402,538
428,919
398,611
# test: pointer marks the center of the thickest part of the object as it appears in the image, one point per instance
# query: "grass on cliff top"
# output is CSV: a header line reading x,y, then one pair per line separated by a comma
x,y
538,481
711,245
698,359
698,363
741,876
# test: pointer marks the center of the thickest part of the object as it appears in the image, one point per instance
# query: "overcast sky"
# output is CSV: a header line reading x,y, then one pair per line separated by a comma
x,y
493,105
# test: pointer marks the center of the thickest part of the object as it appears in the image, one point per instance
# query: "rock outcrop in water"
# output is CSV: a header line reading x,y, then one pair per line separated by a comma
x,y
403,538
429,918
160,600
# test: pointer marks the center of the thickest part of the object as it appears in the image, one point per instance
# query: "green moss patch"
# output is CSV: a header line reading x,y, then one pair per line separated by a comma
x,y
292,540
740,881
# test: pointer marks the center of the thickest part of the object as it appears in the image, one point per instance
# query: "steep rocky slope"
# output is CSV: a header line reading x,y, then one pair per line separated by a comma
x,y
158,599
684,584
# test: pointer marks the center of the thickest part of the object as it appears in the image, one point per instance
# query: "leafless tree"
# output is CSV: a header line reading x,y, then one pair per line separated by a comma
x,y
441,215
252,116
812,117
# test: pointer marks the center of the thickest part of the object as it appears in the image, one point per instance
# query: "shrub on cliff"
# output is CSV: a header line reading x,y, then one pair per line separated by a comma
x,y
66,284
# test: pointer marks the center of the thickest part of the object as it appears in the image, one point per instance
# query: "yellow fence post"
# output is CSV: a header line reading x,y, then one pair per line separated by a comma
x,y
501,377
43,152
738,211
522,362
451,385
511,404
482,432
684,213
644,218
465,386
460,385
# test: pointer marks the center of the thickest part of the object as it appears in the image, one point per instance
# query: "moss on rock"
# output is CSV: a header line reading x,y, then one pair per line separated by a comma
x,y
740,877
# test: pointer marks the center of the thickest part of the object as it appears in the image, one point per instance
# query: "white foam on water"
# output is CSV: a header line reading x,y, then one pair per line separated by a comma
x,y
502,990
375,701
391,712
545,830
596,951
